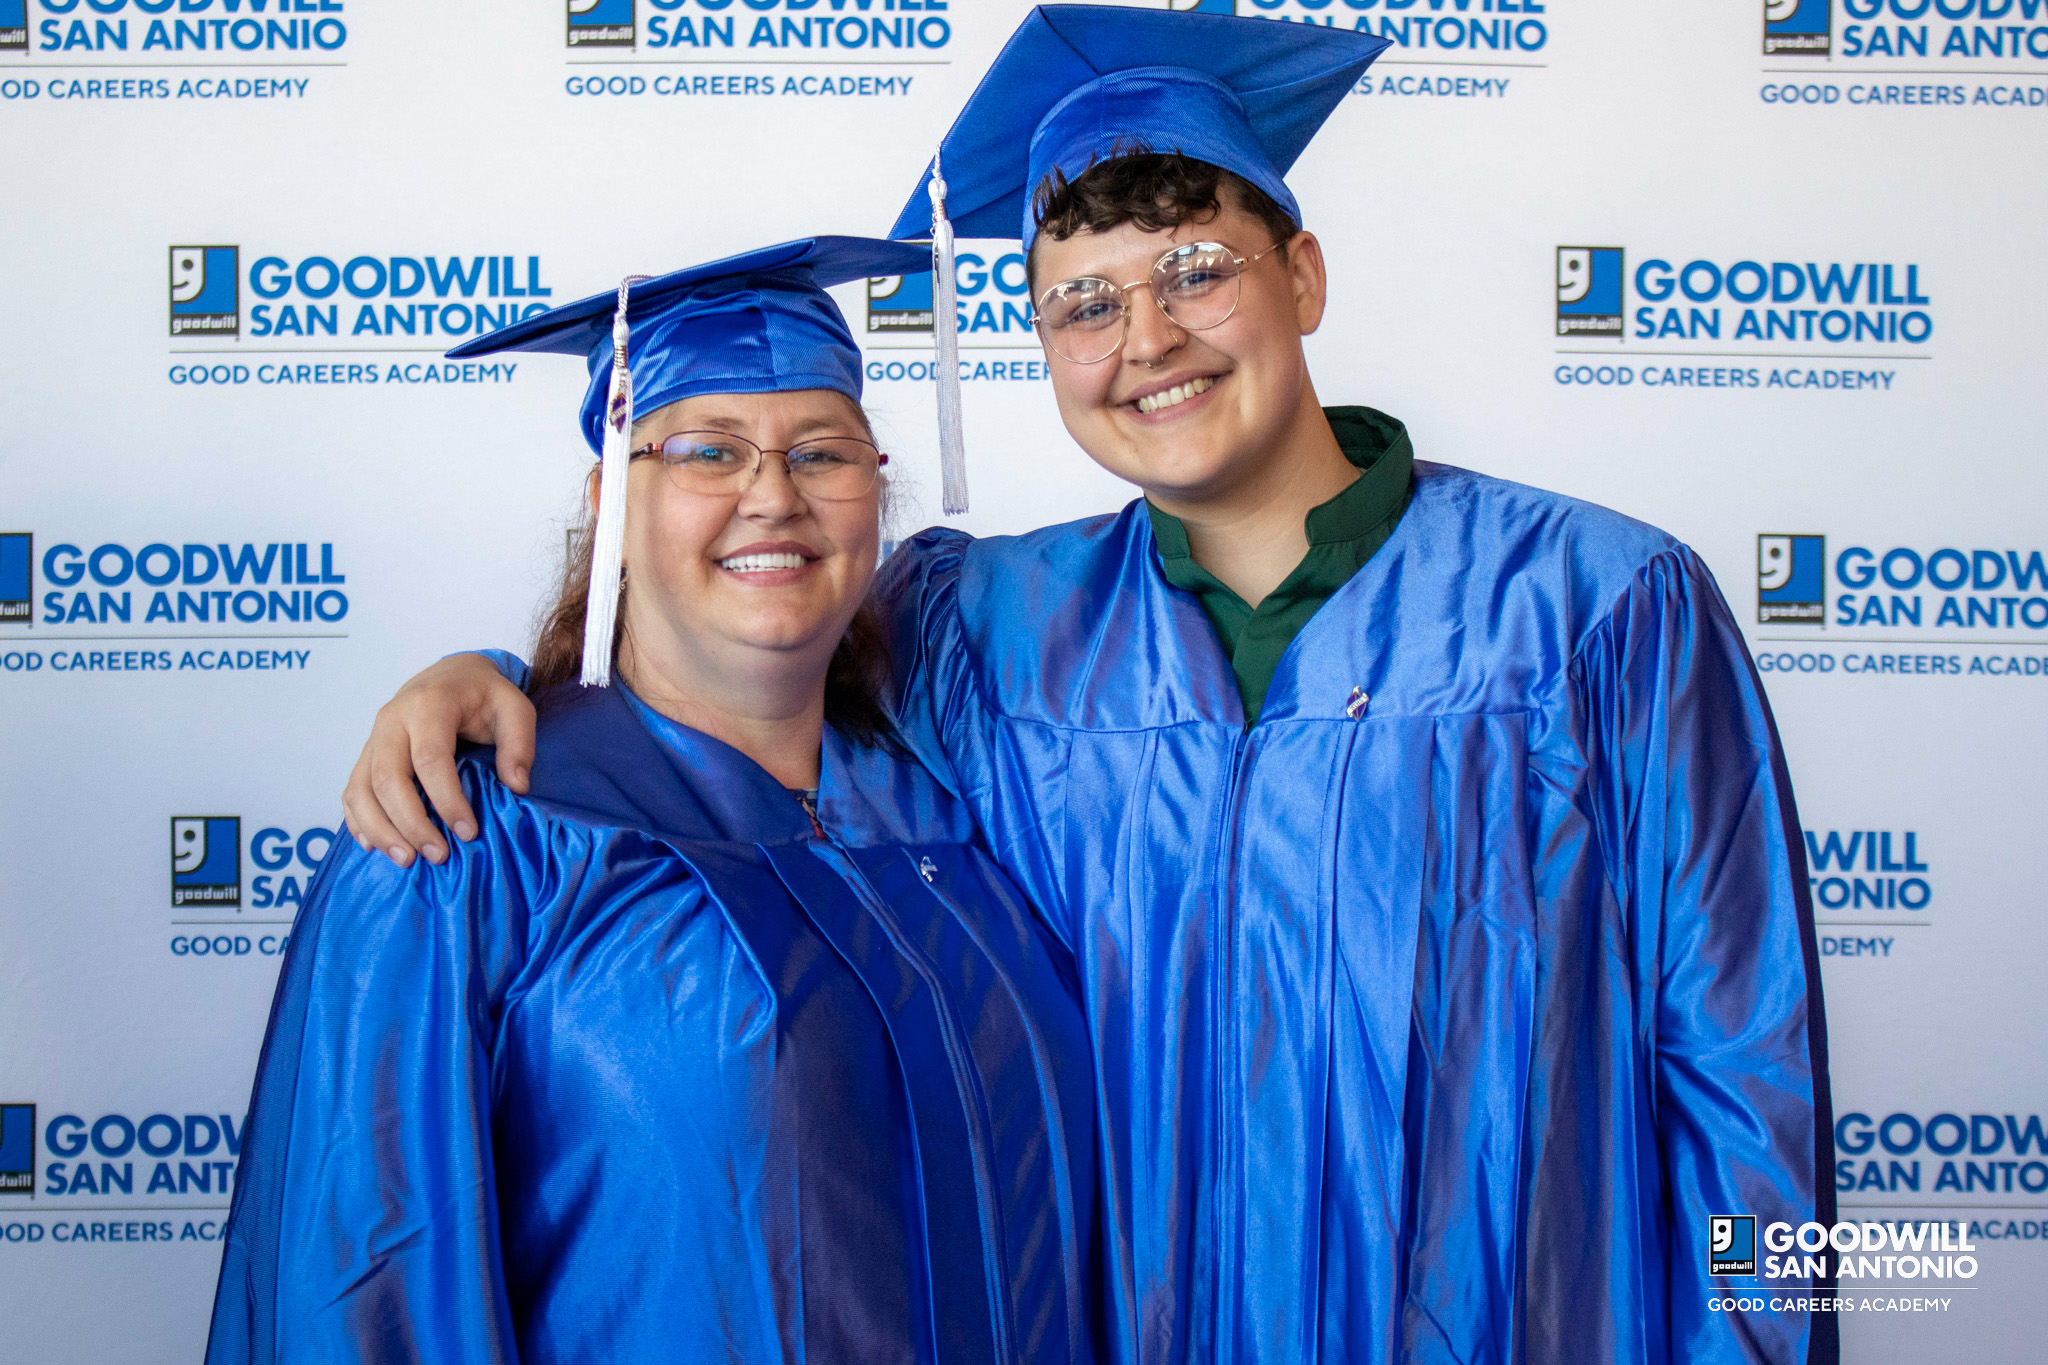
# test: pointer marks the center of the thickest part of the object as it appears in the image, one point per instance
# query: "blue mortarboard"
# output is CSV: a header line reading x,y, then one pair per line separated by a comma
x,y
1077,84
758,322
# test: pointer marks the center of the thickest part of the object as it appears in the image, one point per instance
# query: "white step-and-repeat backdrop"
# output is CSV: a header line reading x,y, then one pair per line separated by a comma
x,y
1769,273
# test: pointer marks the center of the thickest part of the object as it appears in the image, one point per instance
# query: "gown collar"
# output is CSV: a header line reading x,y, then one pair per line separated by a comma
x,y
603,752
606,754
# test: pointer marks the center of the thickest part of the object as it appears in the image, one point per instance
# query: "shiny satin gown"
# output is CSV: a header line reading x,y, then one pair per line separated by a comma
x,y
1435,1012
654,1072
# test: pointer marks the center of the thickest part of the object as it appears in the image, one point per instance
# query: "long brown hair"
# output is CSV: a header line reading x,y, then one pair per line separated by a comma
x,y
855,682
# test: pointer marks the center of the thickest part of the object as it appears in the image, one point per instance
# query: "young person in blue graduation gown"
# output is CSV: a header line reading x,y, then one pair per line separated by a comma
x,y
1424,840
726,1040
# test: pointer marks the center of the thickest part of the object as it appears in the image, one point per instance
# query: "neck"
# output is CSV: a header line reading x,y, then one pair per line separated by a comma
x,y
1253,534
766,704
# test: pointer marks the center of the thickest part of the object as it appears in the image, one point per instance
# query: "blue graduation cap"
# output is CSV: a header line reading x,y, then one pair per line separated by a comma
x,y
1077,84
758,322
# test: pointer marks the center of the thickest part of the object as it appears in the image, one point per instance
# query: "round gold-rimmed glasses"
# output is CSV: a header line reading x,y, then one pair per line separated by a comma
x,y
1197,286
716,463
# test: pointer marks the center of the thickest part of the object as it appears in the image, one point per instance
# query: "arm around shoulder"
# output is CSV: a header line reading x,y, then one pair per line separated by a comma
x,y
412,744
917,594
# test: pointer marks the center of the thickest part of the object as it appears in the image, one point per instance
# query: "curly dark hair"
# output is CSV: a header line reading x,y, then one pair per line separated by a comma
x,y
1155,190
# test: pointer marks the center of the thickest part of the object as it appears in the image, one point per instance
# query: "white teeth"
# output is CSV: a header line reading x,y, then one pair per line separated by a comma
x,y
1176,395
761,563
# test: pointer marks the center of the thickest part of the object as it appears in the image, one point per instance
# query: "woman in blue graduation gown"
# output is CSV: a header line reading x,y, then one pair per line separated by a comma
x,y
679,1059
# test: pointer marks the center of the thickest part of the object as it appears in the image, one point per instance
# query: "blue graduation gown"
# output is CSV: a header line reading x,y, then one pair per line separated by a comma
x,y
651,1072
1435,1012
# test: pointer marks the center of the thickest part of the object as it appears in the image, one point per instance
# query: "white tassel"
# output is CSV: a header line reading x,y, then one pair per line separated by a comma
x,y
946,344
608,541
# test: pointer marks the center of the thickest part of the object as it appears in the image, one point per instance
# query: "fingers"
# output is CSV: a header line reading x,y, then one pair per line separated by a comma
x,y
382,804
512,724
414,738
435,766
365,815
394,791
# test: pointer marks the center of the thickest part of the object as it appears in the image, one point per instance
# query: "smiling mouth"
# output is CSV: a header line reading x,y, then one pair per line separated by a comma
x,y
762,563
1178,394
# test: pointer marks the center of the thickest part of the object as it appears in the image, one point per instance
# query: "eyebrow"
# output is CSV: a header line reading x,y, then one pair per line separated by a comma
x,y
840,425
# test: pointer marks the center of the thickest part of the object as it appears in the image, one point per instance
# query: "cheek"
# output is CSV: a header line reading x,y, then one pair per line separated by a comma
x,y
1081,389
1264,329
853,528
673,533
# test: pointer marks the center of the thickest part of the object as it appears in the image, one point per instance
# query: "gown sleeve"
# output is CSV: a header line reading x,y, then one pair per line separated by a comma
x,y
1702,849
364,1225
918,595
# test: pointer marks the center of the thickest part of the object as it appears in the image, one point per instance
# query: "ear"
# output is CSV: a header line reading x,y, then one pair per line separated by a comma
x,y
1310,279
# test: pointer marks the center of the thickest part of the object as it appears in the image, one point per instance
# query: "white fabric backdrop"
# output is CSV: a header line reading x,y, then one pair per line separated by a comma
x,y
260,173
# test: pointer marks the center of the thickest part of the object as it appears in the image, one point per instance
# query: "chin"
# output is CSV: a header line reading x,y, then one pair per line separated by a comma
x,y
778,632
1171,466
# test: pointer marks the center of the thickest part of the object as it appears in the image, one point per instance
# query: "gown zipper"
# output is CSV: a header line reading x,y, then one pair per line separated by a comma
x,y
1229,1268
974,1103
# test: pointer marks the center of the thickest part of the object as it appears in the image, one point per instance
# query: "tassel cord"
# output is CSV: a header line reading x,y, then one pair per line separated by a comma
x,y
608,542
946,348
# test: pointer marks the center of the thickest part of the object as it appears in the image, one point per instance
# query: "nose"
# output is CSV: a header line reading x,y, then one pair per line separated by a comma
x,y
772,494
1151,336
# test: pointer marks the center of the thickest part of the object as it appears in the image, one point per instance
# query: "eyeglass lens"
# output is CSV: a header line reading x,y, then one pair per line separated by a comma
x,y
1196,286
834,468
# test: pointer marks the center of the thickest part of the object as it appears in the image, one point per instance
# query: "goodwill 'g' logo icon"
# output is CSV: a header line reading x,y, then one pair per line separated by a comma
x,y
1731,1244
13,25
17,578
206,860
900,303
1589,291
1203,6
1797,28
1792,580
17,1149
206,291
600,23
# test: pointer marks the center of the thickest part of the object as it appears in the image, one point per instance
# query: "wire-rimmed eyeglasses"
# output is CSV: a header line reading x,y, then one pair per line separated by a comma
x,y
714,463
1197,286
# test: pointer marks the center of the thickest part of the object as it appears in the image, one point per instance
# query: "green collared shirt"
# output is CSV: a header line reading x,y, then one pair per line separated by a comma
x,y
1343,534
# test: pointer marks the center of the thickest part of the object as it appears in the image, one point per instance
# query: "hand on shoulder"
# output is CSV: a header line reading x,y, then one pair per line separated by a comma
x,y
412,745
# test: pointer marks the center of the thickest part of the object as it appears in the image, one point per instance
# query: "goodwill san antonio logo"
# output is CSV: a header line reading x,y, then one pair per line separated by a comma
x,y
993,297
708,28
1900,586
1470,29
126,608
341,304
141,54
206,862
1947,610
215,917
146,28
1886,1266
350,297
1977,30
1910,54
1485,44
1859,319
